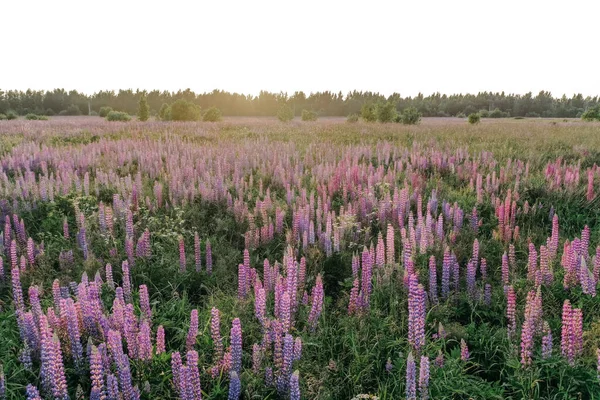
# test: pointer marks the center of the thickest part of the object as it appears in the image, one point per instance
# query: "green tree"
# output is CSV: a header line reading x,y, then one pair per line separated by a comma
x,y
474,118
104,111
368,112
285,113
164,114
386,112
183,110
213,114
591,114
143,109
309,115
410,116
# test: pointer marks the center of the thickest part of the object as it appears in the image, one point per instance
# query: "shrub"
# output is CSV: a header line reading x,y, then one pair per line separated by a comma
x,y
484,113
474,118
461,115
35,117
352,118
309,115
532,114
386,112
118,116
104,111
10,114
143,109
497,113
49,112
213,114
2,117
410,116
183,110
591,114
71,110
164,114
368,112
285,113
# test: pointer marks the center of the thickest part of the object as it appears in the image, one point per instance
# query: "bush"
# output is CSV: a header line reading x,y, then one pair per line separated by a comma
x,y
2,117
10,114
104,111
183,110
35,117
484,113
368,112
285,113
49,112
164,114
352,118
118,116
213,114
309,115
461,115
71,110
497,113
532,114
474,118
386,112
143,109
410,116
591,114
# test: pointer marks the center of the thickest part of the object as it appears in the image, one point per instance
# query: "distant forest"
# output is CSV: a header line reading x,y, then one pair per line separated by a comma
x,y
62,102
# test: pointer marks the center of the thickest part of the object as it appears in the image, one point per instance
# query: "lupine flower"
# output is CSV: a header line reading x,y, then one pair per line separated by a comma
x,y
176,366
598,363
256,357
127,389
439,360
97,375
145,303
547,341
295,386
235,386
215,332
126,281
236,345
144,351
242,281
353,306
260,304
182,261
209,260
464,350
194,374
109,277
197,253
17,289
487,294
285,312
160,340
424,378
511,305
73,330
31,392
390,251
416,313
192,331
527,342
366,277
446,273
112,387
411,378
432,280
317,303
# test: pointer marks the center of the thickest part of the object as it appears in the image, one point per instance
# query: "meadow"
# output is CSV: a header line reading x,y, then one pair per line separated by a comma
x,y
255,259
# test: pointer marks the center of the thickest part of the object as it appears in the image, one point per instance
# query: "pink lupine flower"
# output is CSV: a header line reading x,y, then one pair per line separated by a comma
x,y
546,341
197,253
464,350
160,340
145,303
390,251
182,261
424,378
192,331
126,281
215,331
317,303
411,377
432,280
209,260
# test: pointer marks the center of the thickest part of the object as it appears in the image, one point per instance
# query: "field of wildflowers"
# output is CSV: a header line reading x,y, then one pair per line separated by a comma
x,y
253,259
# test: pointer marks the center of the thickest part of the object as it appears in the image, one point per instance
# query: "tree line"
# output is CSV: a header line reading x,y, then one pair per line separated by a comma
x,y
63,102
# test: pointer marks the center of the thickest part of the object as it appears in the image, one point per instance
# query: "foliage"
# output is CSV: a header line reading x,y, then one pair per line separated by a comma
x,y
164,114
104,111
35,117
591,114
118,116
11,115
352,118
2,117
497,113
368,112
410,116
213,114
143,109
386,112
309,115
285,113
183,110
474,118
71,110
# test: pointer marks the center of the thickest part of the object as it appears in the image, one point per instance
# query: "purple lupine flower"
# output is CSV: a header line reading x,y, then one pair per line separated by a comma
x,y
380,252
112,388
176,366
446,265
317,303
433,280
527,333
483,269
286,368
1,269
145,303
242,281
416,313
209,260
598,363
17,289
439,360
126,281
236,345
256,357
424,378
471,271
464,350
25,358
131,331
547,341
411,378
295,386
235,386
390,251
285,312
215,332
31,392
366,277
269,376
193,330
511,310
297,349
353,306
160,340
487,294
144,343
260,305
30,252
182,261
109,276
194,374
73,331
197,253
124,370
97,375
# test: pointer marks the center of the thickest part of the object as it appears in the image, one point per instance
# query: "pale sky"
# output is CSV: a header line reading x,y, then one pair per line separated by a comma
x,y
245,46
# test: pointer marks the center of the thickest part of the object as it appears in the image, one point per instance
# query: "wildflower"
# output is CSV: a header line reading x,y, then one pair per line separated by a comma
x,y
411,383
